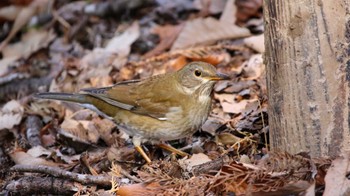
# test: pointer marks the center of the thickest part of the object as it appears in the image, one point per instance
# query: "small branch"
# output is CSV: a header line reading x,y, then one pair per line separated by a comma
x,y
35,185
103,180
34,125
208,167
126,174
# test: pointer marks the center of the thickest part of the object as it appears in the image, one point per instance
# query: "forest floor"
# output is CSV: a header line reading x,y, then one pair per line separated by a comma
x,y
53,147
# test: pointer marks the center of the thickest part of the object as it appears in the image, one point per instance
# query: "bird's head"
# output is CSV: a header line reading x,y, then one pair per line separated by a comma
x,y
199,77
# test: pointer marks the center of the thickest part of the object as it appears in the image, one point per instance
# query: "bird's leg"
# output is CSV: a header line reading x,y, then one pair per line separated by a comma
x,y
172,149
143,154
137,143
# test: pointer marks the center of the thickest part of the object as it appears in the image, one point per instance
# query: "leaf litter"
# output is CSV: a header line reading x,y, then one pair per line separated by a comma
x,y
85,44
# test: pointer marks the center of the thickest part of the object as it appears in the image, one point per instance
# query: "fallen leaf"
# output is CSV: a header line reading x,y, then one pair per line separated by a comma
x,y
245,159
124,153
311,191
83,130
227,139
228,104
166,7
254,67
121,44
255,42
207,30
105,127
30,42
196,159
97,64
11,114
337,178
250,107
229,14
23,17
211,125
44,109
140,189
167,35
247,9
10,12
22,158
38,151
236,87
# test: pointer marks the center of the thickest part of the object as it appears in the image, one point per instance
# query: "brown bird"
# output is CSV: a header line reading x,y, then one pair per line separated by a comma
x,y
160,108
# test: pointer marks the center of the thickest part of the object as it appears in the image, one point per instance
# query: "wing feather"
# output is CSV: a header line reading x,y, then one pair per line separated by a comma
x,y
150,97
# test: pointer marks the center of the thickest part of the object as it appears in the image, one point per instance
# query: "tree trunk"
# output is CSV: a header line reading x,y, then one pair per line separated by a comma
x,y
308,75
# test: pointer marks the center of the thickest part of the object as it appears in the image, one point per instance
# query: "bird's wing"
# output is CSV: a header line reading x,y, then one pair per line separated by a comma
x,y
122,101
151,97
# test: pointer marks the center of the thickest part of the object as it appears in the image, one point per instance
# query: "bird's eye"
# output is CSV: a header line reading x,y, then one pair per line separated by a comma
x,y
197,73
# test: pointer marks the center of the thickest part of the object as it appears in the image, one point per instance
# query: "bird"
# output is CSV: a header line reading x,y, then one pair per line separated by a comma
x,y
160,108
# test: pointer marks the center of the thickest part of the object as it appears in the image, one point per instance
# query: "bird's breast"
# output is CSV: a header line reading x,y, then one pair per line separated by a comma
x,y
187,120
180,121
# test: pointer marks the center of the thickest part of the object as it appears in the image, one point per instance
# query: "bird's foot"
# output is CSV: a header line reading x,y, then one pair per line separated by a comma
x,y
172,149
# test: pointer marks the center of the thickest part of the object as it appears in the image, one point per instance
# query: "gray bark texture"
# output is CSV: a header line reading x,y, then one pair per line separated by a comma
x,y
308,75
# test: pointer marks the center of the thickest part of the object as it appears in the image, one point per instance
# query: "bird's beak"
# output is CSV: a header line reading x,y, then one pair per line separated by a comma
x,y
220,76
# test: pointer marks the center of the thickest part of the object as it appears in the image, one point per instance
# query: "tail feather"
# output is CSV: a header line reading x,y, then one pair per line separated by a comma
x,y
78,98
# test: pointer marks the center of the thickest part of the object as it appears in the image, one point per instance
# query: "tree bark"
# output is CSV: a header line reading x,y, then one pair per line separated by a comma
x,y
308,75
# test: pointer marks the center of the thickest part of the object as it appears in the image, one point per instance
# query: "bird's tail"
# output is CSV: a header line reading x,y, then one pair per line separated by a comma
x,y
77,98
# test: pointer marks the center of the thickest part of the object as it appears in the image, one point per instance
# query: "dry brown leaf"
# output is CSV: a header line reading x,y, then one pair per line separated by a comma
x,y
105,127
228,104
101,81
203,6
121,44
24,15
97,64
247,9
245,159
227,138
75,128
85,126
196,159
255,42
84,130
44,109
209,7
217,6
337,178
22,158
251,106
229,14
208,30
140,189
211,125
205,31
311,191
116,153
31,42
92,133
10,12
167,35
254,67
38,151
11,114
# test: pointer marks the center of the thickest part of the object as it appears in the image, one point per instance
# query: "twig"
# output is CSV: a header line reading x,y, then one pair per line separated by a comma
x,y
40,185
34,125
103,180
210,166
126,174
